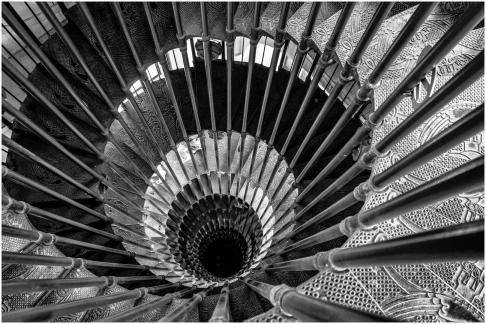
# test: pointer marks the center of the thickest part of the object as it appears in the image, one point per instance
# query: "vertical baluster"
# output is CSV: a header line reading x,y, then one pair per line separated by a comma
x,y
190,86
36,93
442,47
264,50
139,173
460,242
230,45
279,41
179,313
27,122
148,88
222,312
16,177
325,60
466,178
466,127
27,39
33,90
348,73
175,60
254,36
170,87
363,95
20,150
351,87
41,133
26,85
242,48
19,116
22,207
209,79
142,152
331,77
308,309
360,134
461,81
303,46
251,63
223,54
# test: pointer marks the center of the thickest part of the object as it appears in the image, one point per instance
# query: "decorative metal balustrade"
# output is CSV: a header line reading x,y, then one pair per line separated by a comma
x,y
172,177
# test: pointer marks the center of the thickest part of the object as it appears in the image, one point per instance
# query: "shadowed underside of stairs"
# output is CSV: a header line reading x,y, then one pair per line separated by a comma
x,y
242,161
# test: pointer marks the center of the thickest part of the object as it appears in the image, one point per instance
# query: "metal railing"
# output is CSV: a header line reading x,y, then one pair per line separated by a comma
x,y
308,309
433,246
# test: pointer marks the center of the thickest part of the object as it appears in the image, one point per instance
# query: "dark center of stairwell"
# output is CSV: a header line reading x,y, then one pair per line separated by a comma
x,y
224,253
218,239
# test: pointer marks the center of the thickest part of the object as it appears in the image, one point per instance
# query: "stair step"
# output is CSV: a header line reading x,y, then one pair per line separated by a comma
x,y
243,16
220,178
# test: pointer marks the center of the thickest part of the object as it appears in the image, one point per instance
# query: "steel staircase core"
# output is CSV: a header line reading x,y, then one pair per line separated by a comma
x,y
242,161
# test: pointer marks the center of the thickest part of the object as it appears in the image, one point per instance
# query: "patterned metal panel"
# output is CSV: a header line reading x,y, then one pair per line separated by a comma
x,y
437,292
155,218
421,293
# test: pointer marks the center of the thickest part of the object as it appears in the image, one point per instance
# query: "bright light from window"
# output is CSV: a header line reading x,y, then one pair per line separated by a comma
x,y
161,168
241,45
190,53
306,66
289,56
263,54
153,72
175,57
120,107
136,88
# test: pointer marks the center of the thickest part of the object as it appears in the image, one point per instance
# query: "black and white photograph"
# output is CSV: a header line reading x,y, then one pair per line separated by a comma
x,y
242,161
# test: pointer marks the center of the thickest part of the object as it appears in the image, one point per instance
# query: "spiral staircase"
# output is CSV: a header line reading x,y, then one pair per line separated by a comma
x,y
242,161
